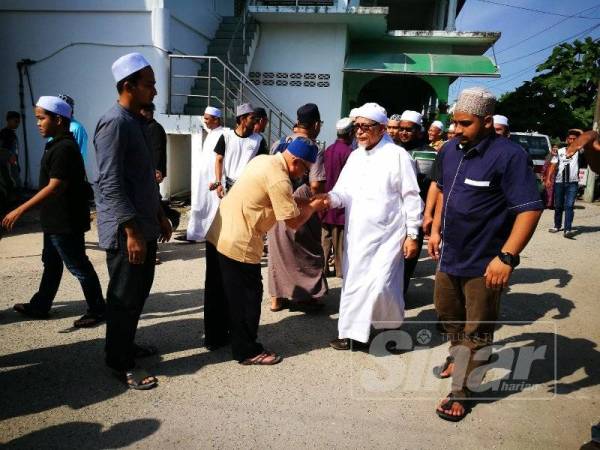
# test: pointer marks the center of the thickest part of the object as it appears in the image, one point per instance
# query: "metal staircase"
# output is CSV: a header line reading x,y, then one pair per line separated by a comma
x,y
221,79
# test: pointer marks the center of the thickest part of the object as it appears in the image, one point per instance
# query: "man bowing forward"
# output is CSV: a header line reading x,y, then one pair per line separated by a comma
x,y
378,187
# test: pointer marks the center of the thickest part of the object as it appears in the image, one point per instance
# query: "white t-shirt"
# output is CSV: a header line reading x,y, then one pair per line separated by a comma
x,y
237,151
564,162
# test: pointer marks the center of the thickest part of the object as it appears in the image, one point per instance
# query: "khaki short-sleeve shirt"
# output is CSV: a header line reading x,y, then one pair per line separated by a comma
x,y
259,198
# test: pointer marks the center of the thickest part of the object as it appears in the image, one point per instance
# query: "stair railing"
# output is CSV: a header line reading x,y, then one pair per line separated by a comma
x,y
240,28
236,88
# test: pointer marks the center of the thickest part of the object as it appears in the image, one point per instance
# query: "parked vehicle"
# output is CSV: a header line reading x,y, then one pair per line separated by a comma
x,y
538,147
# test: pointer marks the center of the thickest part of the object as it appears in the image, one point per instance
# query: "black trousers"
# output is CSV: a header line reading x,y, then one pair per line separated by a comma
x,y
232,296
128,288
411,264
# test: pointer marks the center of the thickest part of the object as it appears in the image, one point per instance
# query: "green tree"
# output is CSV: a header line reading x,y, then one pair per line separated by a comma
x,y
562,96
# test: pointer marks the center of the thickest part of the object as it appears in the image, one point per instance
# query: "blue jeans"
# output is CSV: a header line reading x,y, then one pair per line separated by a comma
x,y
565,195
70,249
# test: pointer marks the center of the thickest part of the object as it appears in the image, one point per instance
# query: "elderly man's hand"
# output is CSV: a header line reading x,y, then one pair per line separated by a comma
x,y
410,248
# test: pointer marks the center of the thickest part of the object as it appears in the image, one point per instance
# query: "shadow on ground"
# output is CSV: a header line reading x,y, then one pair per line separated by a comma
x,y
75,434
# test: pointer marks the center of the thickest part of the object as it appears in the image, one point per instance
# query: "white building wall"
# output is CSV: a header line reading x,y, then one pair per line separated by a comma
x,y
100,32
304,48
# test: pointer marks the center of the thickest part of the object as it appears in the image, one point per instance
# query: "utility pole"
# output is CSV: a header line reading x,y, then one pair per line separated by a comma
x,y
590,182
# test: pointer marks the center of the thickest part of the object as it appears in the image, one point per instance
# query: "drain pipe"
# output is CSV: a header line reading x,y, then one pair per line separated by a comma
x,y
22,66
160,19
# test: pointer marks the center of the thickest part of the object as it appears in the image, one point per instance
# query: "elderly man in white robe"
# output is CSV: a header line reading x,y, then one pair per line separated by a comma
x,y
378,187
204,201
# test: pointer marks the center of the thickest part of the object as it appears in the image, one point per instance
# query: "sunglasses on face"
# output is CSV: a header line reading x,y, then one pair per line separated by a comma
x,y
366,127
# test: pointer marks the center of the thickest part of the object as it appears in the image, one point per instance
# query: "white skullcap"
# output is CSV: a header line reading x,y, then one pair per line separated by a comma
x,y
212,111
343,125
500,120
352,114
476,100
374,112
128,64
55,105
438,124
451,128
412,116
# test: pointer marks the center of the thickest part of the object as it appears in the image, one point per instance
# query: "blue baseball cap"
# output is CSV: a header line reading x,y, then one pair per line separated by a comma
x,y
304,149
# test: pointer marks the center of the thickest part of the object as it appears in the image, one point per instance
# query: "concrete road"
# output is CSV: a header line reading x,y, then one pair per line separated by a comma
x,y
56,392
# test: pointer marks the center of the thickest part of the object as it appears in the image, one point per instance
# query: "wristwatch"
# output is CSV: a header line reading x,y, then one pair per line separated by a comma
x,y
509,259
412,237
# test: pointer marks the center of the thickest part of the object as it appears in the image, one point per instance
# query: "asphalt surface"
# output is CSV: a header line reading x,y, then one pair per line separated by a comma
x,y
56,393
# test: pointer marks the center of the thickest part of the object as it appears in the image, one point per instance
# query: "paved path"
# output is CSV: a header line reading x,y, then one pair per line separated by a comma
x,y
56,393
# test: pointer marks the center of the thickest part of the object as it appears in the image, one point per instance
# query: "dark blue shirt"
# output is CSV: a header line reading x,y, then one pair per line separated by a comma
x,y
125,186
484,190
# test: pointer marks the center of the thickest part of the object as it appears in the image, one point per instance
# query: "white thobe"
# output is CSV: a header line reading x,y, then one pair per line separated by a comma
x,y
204,202
379,190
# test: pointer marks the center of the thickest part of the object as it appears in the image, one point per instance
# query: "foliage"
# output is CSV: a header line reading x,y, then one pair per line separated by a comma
x,y
562,96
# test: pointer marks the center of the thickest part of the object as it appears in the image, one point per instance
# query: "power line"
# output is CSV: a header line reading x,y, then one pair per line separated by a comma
x,y
547,28
581,33
535,10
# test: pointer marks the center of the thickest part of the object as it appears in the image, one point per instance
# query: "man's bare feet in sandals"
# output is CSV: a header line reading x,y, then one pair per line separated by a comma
x,y
139,379
266,358
445,370
453,408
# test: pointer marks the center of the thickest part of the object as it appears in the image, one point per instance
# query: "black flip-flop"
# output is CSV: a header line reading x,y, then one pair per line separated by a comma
x,y
144,351
134,380
27,310
464,402
89,320
439,369
260,359
285,304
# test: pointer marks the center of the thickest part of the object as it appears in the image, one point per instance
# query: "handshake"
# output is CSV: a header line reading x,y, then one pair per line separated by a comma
x,y
320,202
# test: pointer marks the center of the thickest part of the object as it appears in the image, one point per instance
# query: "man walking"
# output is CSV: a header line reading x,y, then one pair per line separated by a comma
x,y
130,219
64,216
333,220
566,183
204,200
378,188
491,208
233,290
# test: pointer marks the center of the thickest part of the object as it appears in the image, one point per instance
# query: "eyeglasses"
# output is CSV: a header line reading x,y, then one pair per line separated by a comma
x,y
366,127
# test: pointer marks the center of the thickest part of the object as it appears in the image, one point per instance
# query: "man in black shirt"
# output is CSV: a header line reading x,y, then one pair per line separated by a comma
x,y
158,145
64,216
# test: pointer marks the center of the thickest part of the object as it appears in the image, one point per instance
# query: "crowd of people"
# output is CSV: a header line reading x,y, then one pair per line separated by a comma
x,y
359,209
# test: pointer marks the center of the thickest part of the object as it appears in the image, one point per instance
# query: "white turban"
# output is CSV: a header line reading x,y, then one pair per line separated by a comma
x,y
500,120
343,125
128,64
374,112
55,105
412,116
212,111
438,124
352,114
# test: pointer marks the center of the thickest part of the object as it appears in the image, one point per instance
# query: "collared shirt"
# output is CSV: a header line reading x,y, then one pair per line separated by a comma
x,y
484,189
334,159
260,197
568,168
80,136
125,185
